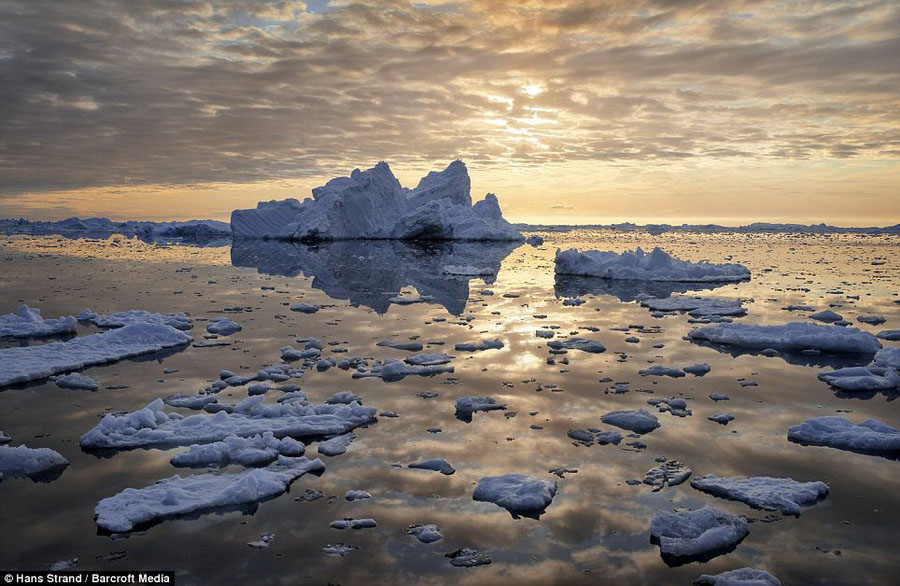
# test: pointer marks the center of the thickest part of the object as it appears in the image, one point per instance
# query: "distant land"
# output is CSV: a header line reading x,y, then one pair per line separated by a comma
x,y
757,227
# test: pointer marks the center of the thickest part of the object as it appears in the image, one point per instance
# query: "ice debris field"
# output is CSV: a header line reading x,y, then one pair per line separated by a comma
x,y
382,380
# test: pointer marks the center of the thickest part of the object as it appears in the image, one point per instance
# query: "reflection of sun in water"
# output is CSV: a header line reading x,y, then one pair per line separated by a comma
x,y
532,90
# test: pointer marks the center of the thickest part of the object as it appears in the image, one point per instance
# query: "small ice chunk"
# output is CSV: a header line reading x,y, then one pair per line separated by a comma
x,y
771,494
871,319
264,540
721,418
437,465
408,346
355,495
718,396
468,270
520,494
427,359
223,327
868,437
638,421
336,445
482,345
428,533
669,473
697,369
338,549
468,558
177,496
698,535
659,370
583,344
889,335
741,577
305,308
827,316
75,380
547,334
466,406
697,306
190,401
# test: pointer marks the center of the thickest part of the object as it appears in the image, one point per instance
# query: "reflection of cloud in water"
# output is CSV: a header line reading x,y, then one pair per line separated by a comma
x,y
573,286
370,273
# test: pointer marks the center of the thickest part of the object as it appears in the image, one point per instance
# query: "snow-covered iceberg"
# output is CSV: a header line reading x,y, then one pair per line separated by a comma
x,y
27,322
28,363
372,205
520,494
698,535
771,494
154,427
791,337
194,495
868,437
637,265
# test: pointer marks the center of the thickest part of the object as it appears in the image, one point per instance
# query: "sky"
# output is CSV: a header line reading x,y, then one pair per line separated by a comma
x,y
726,111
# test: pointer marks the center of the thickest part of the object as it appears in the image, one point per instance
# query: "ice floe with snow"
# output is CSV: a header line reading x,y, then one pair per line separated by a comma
x,y
576,343
437,465
427,533
76,381
761,492
257,450
194,495
38,464
26,322
638,265
740,577
698,535
520,494
882,374
867,437
179,321
28,363
224,327
153,427
791,337
697,306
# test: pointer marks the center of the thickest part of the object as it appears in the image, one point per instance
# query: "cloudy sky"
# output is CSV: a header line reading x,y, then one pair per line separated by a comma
x,y
571,111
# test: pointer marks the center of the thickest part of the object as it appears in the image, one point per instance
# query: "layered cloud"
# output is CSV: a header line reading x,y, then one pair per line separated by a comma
x,y
98,93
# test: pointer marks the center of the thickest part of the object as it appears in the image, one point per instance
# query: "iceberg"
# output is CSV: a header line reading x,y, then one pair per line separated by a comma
x,y
791,337
27,322
771,494
28,363
371,205
868,437
637,265
520,494
179,496
698,535
153,427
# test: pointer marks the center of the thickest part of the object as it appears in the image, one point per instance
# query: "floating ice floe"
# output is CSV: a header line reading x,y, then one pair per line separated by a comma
x,y
699,535
668,473
153,427
38,464
30,363
179,321
408,346
637,265
882,374
428,533
468,558
697,306
224,327
721,418
637,421
371,204
466,406
587,437
257,450
520,494
741,577
194,495
27,322
827,316
437,465
791,337
874,320
482,345
867,437
659,370
427,359
357,495
336,445
534,240
771,494
697,369
394,370
75,380
305,308
338,549
583,344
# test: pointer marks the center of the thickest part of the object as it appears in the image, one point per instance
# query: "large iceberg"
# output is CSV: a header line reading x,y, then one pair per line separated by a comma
x,y
371,205
28,363
27,322
637,265
178,496
791,337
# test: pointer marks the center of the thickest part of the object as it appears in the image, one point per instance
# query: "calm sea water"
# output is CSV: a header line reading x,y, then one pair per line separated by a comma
x,y
597,528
